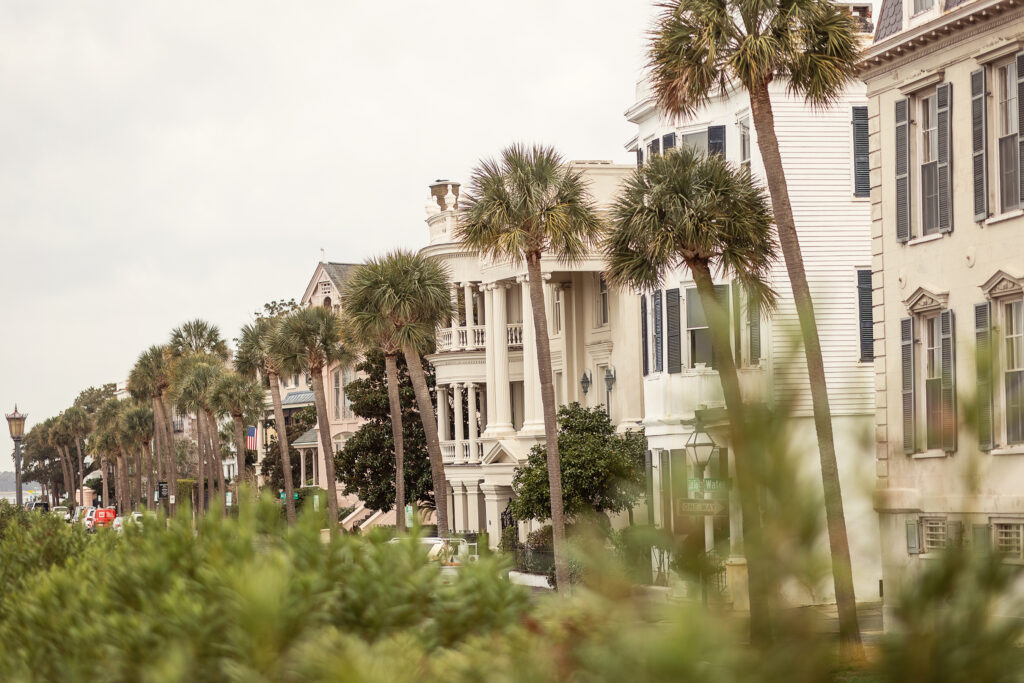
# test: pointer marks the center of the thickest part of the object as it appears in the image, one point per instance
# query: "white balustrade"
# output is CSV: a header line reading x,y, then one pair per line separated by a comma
x,y
448,451
479,451
479,336
515,334
462,337
465,451
444,339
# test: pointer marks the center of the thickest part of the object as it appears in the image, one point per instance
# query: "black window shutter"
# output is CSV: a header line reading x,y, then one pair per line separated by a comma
x,y
903,170
979,144
983,360
861,160
1020,125
944,100
947,352
639,157
654,148
649,472
907,382
668,142
716,140
659,355
981,538
674,342
754,330
643,333
865,315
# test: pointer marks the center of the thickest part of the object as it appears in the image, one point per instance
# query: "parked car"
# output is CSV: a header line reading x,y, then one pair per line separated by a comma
x,y
38,506
102,517
62,512
80,514
120,522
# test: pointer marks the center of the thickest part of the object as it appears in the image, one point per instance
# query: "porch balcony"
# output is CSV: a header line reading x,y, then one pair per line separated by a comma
x,y
673,397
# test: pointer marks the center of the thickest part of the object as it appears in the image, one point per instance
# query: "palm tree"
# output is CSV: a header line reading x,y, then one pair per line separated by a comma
x,y
110,442
255,358
191,389
136,424
687,209
77,421
150,379
700,46
241,399
528,204
310,339
396,303
51,435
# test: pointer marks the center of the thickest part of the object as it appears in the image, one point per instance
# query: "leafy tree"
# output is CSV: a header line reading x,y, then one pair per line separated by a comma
x,y
526,206
92,398
300,422
602,471
277,308
699,47
367,464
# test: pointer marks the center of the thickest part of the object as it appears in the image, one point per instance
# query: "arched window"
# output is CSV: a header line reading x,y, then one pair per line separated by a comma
x,y
327,302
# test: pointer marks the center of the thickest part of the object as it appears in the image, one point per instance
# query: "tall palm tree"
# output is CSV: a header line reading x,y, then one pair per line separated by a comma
x,y
528,204
191,388
310,339
687,209
77,421
396,303
136,424
242,399
255,358
699,47
110,441
150,378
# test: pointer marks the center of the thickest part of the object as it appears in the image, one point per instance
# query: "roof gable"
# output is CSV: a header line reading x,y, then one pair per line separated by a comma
x,y
337,273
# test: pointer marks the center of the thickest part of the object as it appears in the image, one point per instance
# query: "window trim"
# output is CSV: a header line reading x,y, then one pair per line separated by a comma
x,y
1002,368
1006,520
927,98
998,134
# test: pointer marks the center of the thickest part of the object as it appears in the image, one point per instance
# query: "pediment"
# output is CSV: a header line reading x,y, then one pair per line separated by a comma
x,y
497,455
1003,284
926,300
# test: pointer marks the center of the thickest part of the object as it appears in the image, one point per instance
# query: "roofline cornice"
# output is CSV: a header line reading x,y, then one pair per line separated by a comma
x,y
913,39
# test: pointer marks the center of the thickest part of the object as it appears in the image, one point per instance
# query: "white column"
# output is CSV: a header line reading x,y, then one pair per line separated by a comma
x,y
302,466
451,506
441,394
533,416
453,292
459,435
467,292
502,424
459,503
495,500
473,427
473,506
489,343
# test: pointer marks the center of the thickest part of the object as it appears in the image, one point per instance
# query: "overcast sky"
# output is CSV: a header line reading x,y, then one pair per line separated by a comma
x,y
162,161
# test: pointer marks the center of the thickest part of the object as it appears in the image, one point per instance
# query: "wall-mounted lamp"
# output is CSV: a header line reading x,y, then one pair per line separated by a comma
x,y
585,382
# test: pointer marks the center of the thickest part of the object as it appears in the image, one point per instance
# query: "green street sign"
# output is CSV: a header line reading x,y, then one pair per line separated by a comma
x,y
295,496
699,508
709,484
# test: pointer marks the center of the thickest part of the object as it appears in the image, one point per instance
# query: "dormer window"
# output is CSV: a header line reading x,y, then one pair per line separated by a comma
x,y
923,5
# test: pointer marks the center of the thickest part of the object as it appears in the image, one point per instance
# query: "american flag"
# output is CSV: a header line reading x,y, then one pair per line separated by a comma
x,y
250,438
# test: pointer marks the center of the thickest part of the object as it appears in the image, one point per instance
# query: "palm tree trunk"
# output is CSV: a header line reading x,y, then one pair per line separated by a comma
x,y
320,399
81,470
171,456
282,444
839,545
103,473
69,477
547,398
159,447
759,580
240,451
216,461
123,493
140,494
429,420
395,404
201,469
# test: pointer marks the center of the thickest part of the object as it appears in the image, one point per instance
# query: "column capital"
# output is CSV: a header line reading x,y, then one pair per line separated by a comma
x,y
546,277
470,385
472,486
457,386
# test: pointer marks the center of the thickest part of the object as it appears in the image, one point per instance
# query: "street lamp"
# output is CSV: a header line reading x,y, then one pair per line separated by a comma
x,y
16,423
585,382
701,448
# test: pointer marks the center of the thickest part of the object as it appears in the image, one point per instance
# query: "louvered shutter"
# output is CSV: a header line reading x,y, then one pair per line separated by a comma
x,y
673,345
643,334
861,161
654,148
754,331
659,355
716,140
639,158
907,382
865,316
668,142
944,165
903,170
983,360
981,538
947,353
913,537
979,144
954,533
1020,125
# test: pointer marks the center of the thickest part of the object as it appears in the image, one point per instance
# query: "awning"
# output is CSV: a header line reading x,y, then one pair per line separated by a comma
x,y
297,398
308,440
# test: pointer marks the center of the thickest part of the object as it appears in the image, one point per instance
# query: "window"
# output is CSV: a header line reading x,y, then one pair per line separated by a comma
x,y
602,302
1009,179
1013,362
295,379
1008,539
933,383
923,5
933,534
337,394
653,148
325,288
697,333
556,305
348,375
929,156
865,313
744,130
698,141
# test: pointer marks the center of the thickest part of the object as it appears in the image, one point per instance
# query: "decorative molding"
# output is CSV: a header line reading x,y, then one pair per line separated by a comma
x,y
1003,284
998,49
923,79
926,300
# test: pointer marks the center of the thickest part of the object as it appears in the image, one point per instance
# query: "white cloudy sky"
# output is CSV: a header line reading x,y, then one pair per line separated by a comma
x,y
161,161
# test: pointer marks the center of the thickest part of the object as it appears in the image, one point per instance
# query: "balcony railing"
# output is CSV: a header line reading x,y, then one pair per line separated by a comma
x,y
453,451
448,451
461,338
515,335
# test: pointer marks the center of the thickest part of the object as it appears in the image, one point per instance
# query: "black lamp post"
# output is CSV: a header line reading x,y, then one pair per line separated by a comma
x,y
16,423
700,446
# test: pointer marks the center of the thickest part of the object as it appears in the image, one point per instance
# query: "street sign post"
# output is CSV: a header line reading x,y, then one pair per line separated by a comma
x,y
712,485
700,508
